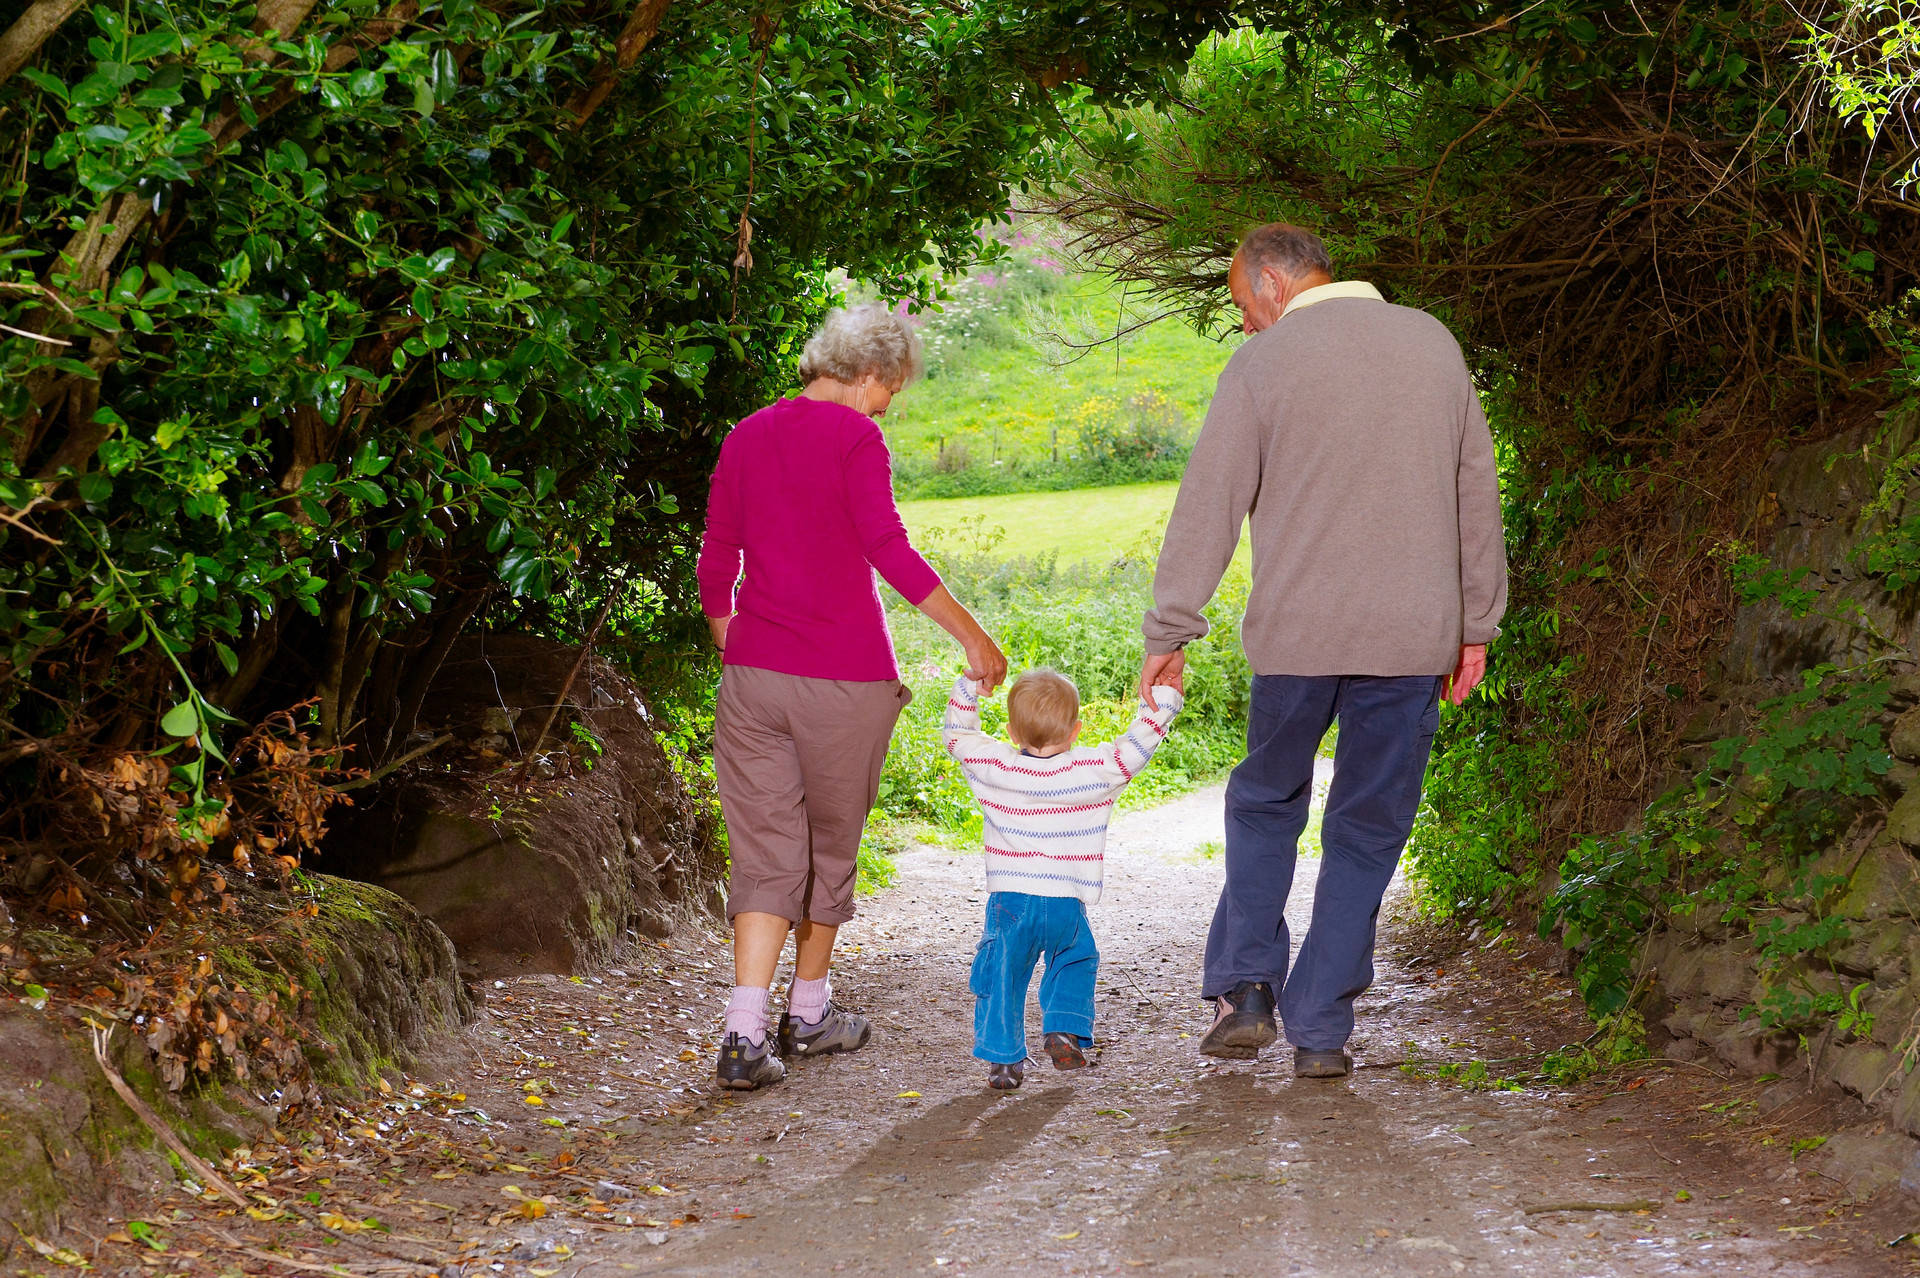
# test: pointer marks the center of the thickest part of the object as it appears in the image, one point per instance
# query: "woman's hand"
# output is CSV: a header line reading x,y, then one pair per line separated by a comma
x,y
986,664
719,627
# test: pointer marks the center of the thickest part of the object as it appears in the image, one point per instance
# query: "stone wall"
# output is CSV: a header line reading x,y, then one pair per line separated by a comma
x,y
1708,974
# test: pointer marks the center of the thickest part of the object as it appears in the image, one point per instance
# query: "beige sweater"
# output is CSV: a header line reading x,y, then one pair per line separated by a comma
x,y
1350,436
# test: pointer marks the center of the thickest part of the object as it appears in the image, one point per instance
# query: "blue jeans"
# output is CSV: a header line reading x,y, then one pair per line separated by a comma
x,y
1020,929
1386,731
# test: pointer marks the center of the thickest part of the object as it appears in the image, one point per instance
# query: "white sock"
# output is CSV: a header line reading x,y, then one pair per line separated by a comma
x,y
807,1000
747,1012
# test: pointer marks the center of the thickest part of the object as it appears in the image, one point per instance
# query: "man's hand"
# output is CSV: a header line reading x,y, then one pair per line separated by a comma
x,y
1165,670
986,664
719,627
1468,674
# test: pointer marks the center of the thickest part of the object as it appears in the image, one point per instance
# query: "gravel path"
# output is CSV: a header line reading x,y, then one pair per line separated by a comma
x,y
899,1160
576,1131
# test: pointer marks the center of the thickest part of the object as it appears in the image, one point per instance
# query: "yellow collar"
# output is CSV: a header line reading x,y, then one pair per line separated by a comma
x,y
1327,292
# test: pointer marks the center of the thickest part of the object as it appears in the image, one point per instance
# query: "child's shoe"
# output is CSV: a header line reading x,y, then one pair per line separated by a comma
x,y
1004,1078
1064,1051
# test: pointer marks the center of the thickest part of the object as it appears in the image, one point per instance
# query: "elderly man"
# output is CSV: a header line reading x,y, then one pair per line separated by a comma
x,y
1346,429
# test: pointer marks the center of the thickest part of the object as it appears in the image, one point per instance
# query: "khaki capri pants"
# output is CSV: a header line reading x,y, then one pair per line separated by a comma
x,y
798,764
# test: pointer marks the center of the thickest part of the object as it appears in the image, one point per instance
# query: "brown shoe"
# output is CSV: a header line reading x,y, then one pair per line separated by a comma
x,y
1065,1052
1243,1022
1308,1063
1004,1078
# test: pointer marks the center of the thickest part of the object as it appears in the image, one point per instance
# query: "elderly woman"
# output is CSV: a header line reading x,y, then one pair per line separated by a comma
x,y
810,690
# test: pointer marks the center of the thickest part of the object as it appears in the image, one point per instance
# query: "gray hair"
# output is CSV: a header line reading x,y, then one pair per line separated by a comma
x,y
858,340
1293,251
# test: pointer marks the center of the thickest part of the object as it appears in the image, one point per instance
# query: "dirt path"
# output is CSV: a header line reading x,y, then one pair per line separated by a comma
x,y
577,1132
899,1160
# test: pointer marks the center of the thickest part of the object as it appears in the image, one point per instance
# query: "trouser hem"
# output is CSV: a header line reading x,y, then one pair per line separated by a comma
x,y
1078,1026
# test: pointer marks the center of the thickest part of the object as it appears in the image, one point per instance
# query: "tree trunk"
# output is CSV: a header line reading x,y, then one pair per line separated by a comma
x,y
21,41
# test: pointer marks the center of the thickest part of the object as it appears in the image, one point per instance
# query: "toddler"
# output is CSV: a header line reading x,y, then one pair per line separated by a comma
x,y
1046,803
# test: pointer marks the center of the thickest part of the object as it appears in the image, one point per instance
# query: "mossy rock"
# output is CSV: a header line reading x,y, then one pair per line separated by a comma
x,y
69,1147
381,976
383,987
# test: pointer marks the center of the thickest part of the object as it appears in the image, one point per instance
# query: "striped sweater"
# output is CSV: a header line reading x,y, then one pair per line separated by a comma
x,y
1046,818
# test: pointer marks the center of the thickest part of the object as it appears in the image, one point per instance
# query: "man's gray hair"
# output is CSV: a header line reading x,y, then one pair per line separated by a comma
x,y
859,340
1293,251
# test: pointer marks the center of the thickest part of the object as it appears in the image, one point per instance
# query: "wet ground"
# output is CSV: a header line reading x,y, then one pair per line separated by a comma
x,y
578,1135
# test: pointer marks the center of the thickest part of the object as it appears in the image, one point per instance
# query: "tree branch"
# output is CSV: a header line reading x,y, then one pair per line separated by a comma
x,y
641,27
31,30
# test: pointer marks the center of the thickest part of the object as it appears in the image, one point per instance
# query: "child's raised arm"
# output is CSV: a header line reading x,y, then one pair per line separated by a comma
x,y
1126,757
962,722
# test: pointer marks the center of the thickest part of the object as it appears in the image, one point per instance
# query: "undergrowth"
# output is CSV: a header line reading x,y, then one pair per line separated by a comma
x,y
1083,621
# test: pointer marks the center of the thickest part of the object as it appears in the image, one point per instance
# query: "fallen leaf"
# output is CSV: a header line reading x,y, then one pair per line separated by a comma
x,y
1068,1237
908,1096
689,1055
59,1255
266,1213
531,1099
531,1208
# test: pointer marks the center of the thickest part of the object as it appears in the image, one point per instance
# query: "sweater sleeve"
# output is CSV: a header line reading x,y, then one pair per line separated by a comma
x,y
1124,759
960,729
1216,492
883,537
718,570
1483,544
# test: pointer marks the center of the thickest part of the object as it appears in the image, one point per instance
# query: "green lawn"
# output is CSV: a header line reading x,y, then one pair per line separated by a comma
x,y
1096,525
995,385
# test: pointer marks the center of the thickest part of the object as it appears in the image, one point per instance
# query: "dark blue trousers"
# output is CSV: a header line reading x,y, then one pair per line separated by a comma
x,y
1021,929
1386,732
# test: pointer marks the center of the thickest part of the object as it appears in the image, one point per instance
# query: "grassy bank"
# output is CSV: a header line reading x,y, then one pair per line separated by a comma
x,y
1010,405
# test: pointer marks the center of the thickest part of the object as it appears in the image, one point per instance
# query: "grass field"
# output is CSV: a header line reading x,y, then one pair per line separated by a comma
x,y
1088,525
995,385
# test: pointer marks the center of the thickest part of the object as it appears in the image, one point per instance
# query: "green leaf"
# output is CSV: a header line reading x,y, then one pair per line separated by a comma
x,y
51,84
181,721
94,488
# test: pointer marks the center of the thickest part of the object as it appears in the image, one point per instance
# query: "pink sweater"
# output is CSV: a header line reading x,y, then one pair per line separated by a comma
x,y
804,492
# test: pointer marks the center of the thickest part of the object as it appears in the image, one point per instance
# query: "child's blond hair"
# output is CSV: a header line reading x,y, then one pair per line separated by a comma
x,y
1042,708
